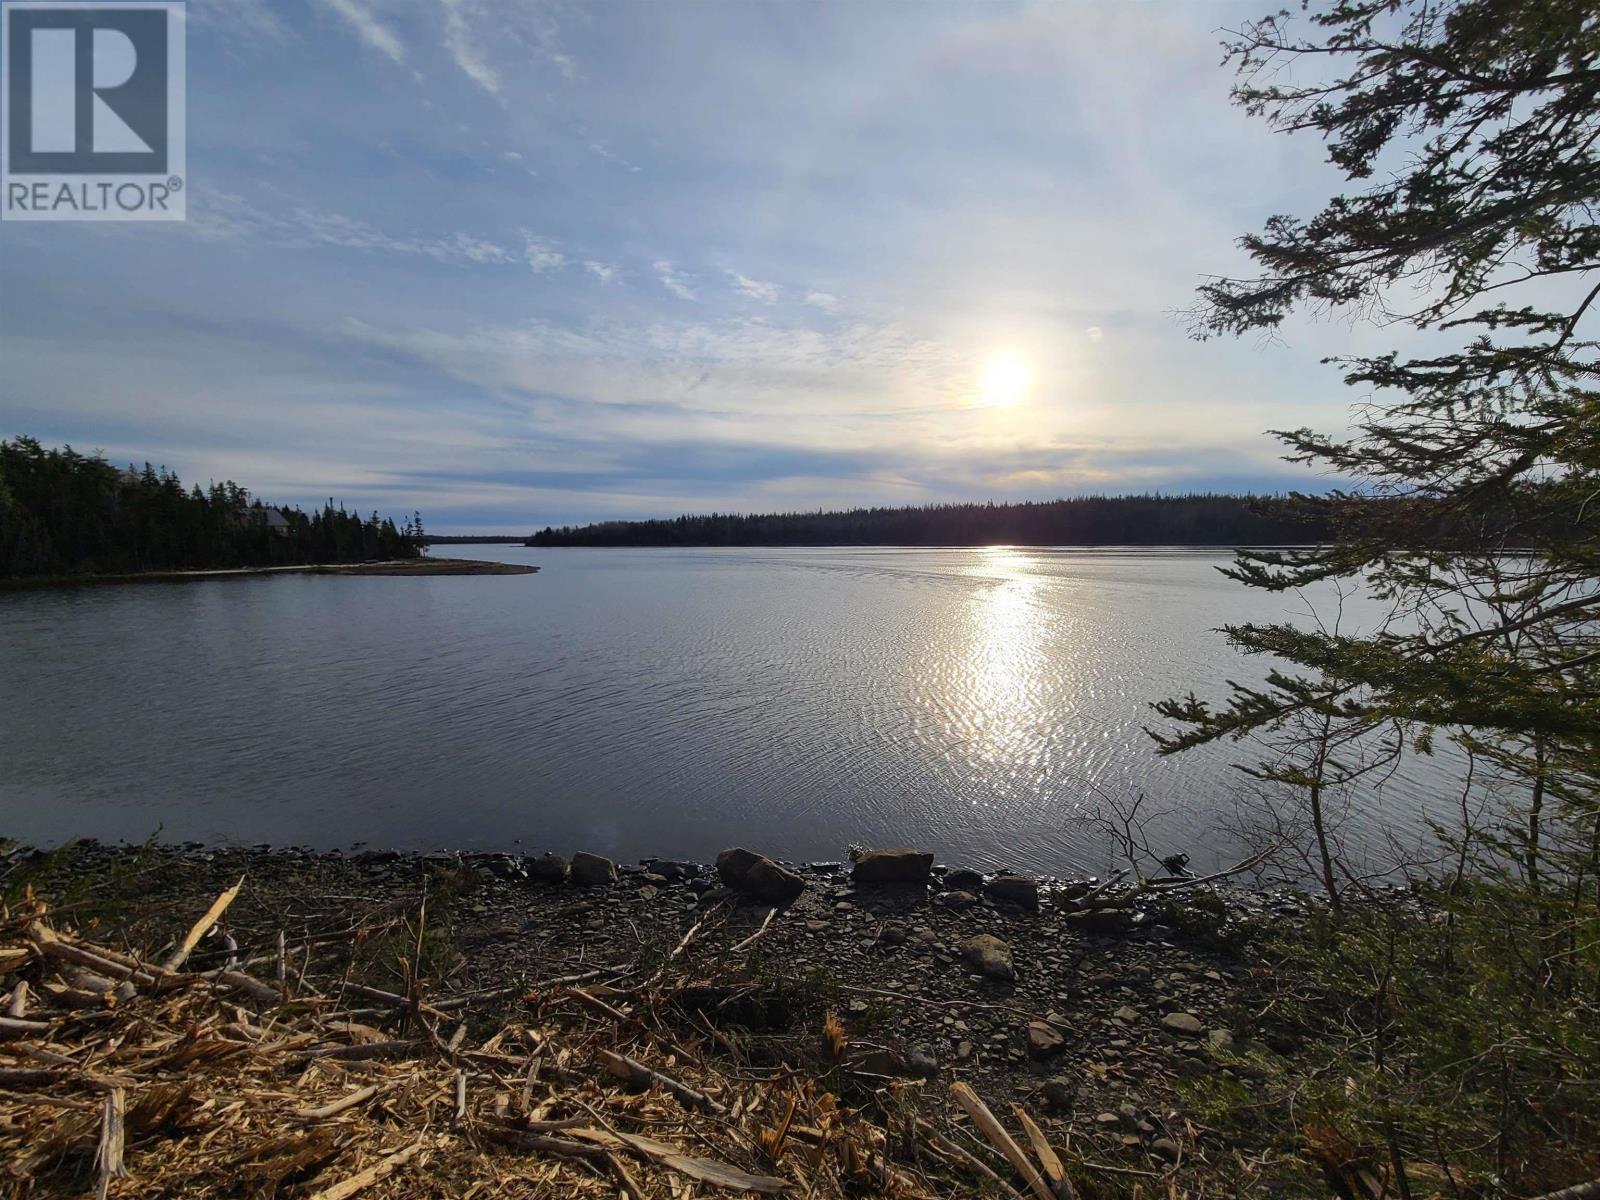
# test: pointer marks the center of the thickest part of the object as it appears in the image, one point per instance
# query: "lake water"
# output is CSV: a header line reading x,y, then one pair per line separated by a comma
x,y
669,702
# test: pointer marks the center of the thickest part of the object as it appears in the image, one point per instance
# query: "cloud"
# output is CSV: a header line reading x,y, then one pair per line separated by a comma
x,y
672,281
371,30
604,272
458,41
541,253
1094,333
756,289
602,150
223,216
826,301
247,22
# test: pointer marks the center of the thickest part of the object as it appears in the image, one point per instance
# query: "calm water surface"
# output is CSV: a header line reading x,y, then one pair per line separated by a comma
x,y
639,702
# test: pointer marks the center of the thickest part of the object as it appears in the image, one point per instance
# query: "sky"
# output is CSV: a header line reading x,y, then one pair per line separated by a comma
x,y
518,263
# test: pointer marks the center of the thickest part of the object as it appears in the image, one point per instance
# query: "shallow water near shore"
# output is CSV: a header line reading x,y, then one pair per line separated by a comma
x,y
667,702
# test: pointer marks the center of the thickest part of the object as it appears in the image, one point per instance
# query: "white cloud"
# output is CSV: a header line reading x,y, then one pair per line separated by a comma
x,y
541,253
602,150
826,301
222,216
458,40
756,289
248,22
672,281
604,272
371,30
1094,333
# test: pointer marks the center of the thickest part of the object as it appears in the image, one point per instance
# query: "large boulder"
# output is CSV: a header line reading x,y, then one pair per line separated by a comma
x,y
771,884
1014,889
989,956
758,877
963,880
592,870
733,864
1103,922
893,866
548,868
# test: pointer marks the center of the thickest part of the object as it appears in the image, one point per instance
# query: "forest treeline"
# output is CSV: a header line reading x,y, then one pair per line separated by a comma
x,y
66,513
1188,520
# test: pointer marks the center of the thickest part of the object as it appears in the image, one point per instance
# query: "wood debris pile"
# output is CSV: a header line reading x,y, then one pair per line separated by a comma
x,y
124,1074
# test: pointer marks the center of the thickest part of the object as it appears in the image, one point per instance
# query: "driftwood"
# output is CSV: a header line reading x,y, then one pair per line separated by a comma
x,y
1578,1191
1054,1170
338,1106
378,1170
108,1155
201,927
636,1073
1001,1140
161,1074
741,947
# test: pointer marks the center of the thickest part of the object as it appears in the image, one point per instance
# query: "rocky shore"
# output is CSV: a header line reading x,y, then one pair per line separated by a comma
x,y
1038,992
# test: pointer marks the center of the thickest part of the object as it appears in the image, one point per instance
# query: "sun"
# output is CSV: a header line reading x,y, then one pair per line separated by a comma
x,y
1004,382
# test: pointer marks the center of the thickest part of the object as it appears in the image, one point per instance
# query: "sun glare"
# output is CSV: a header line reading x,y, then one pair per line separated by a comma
x,y
1004,382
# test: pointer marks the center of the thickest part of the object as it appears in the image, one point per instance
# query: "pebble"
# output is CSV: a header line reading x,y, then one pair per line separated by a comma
x,y
1184,1024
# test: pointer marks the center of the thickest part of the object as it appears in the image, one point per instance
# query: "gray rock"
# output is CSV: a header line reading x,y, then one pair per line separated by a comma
x,y
591,870
1059,1094
758,877
1165,1148
1183,1024
963,880
893,866
1126,1013
1014,889
1044,1040
957,899
921,1062
548,868
1106,922
771,884
989,956
732,864
892,935
1220,1039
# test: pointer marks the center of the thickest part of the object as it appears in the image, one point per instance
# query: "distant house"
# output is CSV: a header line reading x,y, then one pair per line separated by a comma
x,y
275,520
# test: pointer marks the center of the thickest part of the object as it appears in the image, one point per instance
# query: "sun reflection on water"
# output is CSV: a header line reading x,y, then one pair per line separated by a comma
x,y
997,705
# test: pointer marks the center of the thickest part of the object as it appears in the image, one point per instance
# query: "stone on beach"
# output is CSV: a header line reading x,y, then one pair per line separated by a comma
x,y
758,877
989,956
548,868
592,870
1044,1040
1183,1024
1110,922
893,866
963,880
1014,889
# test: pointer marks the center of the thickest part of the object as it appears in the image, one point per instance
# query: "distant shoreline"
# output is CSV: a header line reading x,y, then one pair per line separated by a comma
x,y
394,567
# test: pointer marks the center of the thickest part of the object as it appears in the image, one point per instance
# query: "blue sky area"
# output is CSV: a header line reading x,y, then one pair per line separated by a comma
x,y
518,263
